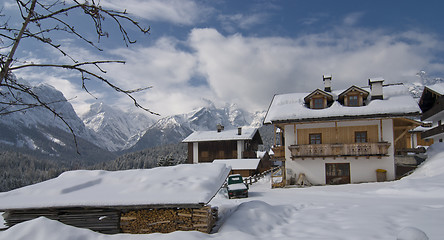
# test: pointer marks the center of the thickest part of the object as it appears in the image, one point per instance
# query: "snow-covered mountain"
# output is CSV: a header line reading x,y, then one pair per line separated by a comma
x,y
424,79
38,131
175,128
115,129
111,129
41,116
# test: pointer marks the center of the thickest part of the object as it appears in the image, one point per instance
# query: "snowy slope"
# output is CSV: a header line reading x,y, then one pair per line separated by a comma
x,y
38,131
343,212
117,130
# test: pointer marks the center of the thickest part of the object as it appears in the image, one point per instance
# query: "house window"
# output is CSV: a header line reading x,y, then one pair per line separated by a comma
x,y
318,103
221,154
204,154
360,137
337,173
353,101
315,138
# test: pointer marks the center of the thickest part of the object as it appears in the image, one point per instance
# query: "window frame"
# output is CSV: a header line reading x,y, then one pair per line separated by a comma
x,y
354,102
318,103
359,137
315,138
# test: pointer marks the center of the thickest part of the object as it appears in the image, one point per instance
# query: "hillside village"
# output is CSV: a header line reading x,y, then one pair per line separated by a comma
x,y
195,119
363,139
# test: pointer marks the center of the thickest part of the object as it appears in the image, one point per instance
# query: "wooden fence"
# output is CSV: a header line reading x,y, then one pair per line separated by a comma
x,y
253,179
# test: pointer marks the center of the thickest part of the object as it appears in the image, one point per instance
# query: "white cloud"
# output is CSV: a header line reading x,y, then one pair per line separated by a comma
x,y
353,18
250,70
165,67
9,5
74,93
182,12
232,22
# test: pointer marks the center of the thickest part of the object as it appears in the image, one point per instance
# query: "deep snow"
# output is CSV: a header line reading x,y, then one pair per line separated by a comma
x,y
181,184
356,211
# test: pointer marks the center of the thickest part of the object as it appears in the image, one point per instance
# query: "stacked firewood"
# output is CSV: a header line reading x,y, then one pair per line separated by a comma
x,y
165,220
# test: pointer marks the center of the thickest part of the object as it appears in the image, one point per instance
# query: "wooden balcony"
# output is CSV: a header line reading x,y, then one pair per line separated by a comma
x,y
437,107
432,132
339,150
279,152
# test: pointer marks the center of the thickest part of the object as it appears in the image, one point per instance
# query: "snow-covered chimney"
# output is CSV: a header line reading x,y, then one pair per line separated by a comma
x,y
220,127
327,83
376,88
239,131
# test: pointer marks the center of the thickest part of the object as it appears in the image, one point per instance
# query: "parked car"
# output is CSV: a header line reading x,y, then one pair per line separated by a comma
x,y
236,186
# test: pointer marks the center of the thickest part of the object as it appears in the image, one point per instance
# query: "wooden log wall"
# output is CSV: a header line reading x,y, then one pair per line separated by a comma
x,y
96,219
166,220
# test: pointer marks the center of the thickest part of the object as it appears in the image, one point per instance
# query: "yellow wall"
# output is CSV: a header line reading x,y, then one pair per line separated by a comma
x,y
338,134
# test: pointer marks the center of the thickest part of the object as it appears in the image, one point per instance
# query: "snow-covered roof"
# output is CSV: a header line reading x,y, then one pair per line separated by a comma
x,y
193,184
376,79
420,129
224,135
437,88
240,164
291,107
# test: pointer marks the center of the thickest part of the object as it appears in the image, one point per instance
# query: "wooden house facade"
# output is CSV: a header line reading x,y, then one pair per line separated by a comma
x,y
348,137
206,146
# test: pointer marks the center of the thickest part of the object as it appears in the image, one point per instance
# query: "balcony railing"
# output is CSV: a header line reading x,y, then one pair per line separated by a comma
x,y
339,150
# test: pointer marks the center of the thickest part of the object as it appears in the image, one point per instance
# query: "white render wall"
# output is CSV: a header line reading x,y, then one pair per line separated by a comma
x,y
240,148
361,168
195,152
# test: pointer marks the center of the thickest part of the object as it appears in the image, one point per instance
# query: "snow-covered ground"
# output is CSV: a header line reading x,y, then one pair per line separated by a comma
x,y
357,211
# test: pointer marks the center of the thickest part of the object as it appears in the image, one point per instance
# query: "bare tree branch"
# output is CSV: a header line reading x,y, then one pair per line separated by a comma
x,y
41,20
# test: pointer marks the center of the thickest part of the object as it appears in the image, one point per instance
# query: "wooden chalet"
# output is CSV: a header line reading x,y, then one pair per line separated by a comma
x,y
163,199
344,136
246,167
206,146
432,106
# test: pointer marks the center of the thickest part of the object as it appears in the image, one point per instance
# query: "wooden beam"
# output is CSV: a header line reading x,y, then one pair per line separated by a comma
x,y
380,128
400,136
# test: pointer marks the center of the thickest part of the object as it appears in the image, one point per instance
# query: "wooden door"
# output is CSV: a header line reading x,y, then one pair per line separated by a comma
x,y
337,173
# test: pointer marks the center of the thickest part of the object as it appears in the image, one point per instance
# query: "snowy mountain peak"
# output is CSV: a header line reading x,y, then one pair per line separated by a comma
x,y
174,129
115,128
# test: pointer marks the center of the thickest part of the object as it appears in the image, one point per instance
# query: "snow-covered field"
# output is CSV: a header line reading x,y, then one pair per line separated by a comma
x,y
356,211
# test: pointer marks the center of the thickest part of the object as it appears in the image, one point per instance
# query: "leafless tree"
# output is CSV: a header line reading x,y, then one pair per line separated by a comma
x,y
42,20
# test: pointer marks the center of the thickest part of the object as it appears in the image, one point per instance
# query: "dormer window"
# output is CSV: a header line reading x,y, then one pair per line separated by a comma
x,y
318,103
353,101
318,99
353,97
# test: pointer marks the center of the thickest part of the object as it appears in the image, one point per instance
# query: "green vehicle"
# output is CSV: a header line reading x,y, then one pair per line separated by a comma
x,y
236,186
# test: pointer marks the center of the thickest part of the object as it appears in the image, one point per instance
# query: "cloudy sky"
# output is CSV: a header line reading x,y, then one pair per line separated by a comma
x,y
244,52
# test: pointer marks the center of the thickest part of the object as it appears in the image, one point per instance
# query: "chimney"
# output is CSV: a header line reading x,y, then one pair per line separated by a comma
x,y
220,127
327,83
376,88
239,131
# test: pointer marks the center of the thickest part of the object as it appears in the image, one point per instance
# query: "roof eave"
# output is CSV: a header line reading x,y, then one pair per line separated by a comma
x,y
354,117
